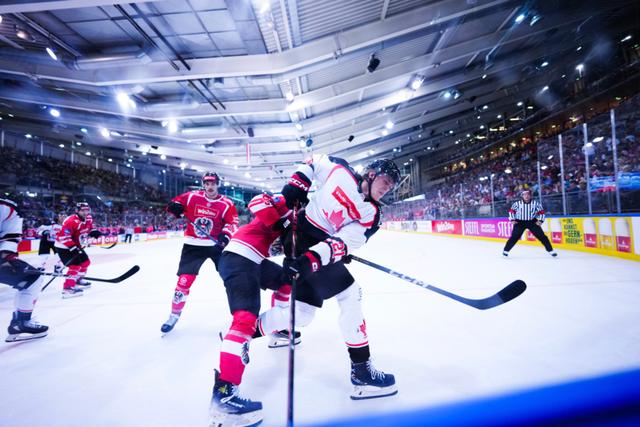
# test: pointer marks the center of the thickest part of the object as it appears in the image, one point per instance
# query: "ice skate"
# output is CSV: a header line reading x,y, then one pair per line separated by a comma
x,y
23,330
72,292
229,409
281,339
553,253
370,383
505,254
83,284
170,323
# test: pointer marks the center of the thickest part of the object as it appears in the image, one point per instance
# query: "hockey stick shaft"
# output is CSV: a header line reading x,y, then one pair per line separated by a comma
x,y
66,264
510,292
292,323
133,270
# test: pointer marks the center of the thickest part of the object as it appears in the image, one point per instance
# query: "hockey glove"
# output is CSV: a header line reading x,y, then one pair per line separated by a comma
x,y
295,191
223,240
95,234
175,208
281,224
8,260
303,266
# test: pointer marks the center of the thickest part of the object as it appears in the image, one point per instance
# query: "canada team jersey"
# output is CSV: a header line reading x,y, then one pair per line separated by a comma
x,y
215,216
74,232
10,226
338,207
253,240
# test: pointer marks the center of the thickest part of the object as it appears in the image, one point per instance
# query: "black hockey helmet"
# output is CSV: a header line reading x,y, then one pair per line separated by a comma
x,y
82,205
384,167
210,176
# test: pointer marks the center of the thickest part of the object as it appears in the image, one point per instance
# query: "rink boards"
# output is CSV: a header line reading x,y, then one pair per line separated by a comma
x,y
617,236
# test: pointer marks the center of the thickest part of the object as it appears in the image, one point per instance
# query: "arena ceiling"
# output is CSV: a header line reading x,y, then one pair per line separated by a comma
x,y
250,87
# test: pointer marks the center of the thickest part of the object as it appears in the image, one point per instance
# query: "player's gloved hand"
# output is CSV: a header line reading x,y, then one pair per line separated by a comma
x,y
281,224
175,208
223,240
95,234
76,251
303,266
347,259
295,191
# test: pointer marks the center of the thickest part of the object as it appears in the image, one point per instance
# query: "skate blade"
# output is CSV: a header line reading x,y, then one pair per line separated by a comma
x,y
67,296
279,342
221,419
24,337
361,392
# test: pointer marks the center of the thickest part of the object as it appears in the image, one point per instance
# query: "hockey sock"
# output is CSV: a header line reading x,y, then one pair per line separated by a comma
x,y
74,273
182,292
26,298
280,297
234,354
352,323
360,354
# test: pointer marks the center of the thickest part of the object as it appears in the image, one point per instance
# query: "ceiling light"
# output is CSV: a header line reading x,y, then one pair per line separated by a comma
x,y
28,136
579,48
125,101
534,19
54,112
484,76
264,6
163,157
61,145
23,34
302,144
520,18
83,130
588,144
183,165
598,139
289,96
385,132
104,132
507,171
389,124
372,152
481,126
520,104
580,67
544,167
544,64
172,126
78,143
546,88
416,82
499,116
52,54
0,19
485,107
225,161
247,175
115,133
299,126
626,38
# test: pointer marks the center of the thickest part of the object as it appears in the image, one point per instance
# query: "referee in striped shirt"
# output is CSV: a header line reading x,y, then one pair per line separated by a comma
x,y
527,214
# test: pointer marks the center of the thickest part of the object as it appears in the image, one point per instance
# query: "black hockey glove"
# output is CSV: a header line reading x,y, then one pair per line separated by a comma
x,y
281,224
175,208
303,266
95,234
223,240
295,191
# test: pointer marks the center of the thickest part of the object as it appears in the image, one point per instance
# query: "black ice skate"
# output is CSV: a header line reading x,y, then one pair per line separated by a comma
x,y
170,323
281,339
369,383
72,292
22,330
229,409
83,284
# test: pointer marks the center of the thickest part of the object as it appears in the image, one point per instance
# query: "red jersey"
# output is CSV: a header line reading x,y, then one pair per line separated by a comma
x,y
253,240
74,232
217,215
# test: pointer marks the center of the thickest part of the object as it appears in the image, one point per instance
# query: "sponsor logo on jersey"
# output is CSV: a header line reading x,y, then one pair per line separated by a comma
x,y
203,211
344,200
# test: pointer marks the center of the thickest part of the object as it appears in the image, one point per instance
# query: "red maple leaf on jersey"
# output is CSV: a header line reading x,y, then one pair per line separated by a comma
x,y
335,218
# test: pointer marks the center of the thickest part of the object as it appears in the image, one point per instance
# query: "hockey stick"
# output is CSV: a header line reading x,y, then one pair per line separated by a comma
x,y
510,292
292,321
133,270
110,246
66,264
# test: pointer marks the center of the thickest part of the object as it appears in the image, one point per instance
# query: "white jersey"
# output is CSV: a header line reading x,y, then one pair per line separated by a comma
x,y
338,207
51,231
10,226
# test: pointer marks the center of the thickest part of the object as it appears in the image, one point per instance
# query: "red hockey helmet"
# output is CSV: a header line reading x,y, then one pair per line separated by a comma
x,y
210,176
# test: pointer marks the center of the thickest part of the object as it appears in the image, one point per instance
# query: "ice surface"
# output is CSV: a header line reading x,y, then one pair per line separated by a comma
x,y
104,362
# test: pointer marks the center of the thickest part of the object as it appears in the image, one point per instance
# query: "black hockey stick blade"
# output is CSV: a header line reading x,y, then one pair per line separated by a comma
x,y
510,292
110,246
133,270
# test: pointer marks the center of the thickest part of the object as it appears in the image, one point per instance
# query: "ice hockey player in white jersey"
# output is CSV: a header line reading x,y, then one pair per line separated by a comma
x,y
19,275
47,232
342,215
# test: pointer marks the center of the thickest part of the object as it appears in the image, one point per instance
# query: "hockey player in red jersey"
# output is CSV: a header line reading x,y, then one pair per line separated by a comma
x,y
245,270
215,216
70,243
343,214
17,274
